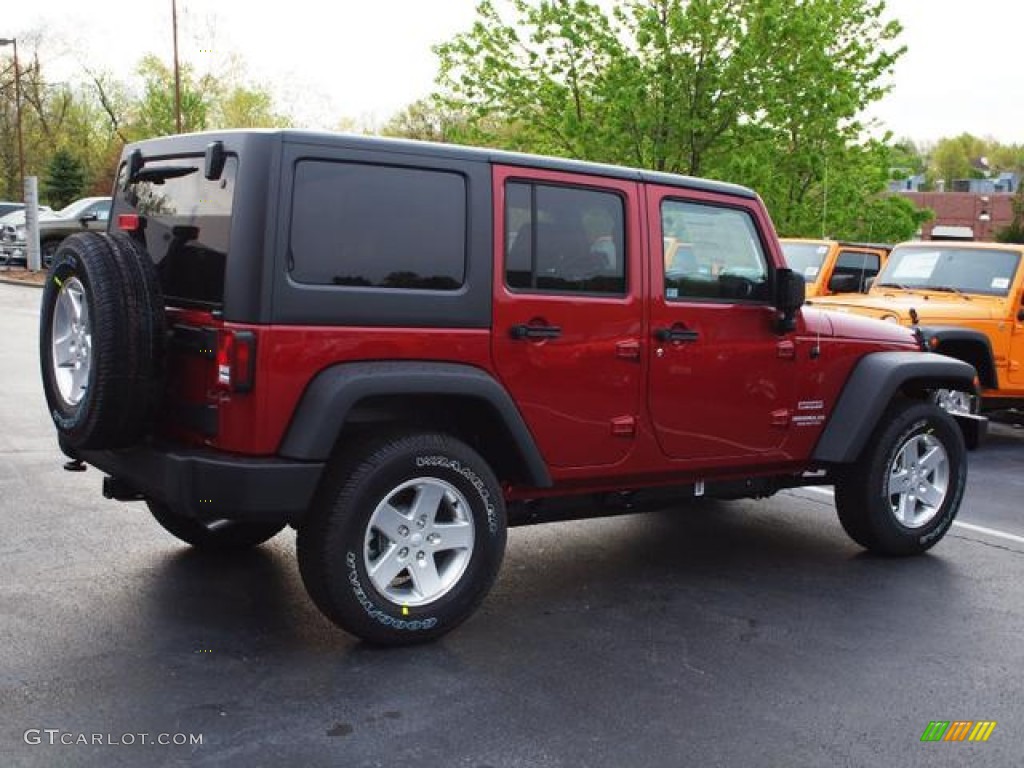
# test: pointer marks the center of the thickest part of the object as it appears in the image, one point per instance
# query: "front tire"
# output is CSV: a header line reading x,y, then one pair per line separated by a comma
x,y
902,495
405,540
213,535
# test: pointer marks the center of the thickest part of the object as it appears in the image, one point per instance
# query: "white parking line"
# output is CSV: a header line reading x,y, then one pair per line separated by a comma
x,y
966,526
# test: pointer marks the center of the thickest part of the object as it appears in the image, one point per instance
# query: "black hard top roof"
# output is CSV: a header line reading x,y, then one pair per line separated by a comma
x,y
171,144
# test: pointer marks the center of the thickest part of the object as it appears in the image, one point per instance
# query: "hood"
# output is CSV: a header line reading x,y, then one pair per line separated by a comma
x,y
930,306
17,218
852,326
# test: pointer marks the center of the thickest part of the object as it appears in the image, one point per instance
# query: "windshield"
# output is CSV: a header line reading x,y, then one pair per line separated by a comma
x,y
805,258
988,271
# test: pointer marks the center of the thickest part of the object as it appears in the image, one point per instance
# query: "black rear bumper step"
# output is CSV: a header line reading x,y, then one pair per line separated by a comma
x,y
207,485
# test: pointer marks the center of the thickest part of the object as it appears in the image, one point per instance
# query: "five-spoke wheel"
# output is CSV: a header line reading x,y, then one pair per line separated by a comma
x,y
901,495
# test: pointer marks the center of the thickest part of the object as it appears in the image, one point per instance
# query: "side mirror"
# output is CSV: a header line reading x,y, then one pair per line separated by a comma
x,y
86,218
790,293
844,284
1020,316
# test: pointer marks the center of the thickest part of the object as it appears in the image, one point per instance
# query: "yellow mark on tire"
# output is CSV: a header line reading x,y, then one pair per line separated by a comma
x,y
405,610
58,282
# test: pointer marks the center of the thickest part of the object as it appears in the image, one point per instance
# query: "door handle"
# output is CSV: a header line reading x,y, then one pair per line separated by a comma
x,y
523,331
676,333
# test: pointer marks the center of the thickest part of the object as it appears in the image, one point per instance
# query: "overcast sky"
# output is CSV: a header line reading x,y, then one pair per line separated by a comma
x,y
366,59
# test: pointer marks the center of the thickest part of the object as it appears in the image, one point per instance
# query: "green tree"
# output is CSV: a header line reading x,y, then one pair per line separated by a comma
x,y
765,92
65,179
246,106
155,112
888,219
951,158
1014,232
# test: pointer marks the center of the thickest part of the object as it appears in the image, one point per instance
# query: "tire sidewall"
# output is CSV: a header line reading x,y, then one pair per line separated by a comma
x,y
352,584
69,419
917,420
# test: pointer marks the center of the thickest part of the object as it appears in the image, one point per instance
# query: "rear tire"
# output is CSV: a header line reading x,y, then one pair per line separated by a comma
x,y
901,496
213,535
404,540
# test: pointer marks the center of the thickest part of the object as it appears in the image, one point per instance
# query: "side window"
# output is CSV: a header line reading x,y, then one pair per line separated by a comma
x,y
860,265
101,209
564,239
712,252
377,226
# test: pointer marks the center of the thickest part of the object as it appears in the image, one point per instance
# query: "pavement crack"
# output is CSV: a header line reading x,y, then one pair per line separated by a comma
x,y
986,543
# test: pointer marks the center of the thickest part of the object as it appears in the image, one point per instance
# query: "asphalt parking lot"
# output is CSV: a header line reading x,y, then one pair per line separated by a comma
x,y
746,633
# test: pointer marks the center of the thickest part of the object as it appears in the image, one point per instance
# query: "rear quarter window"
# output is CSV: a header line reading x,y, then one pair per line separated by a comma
x,y
377,226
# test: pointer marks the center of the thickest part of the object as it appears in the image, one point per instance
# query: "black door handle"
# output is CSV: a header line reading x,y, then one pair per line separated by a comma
x,y
523,331
676,333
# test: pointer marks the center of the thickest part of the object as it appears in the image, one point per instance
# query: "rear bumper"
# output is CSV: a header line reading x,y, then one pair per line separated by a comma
x,y
208,485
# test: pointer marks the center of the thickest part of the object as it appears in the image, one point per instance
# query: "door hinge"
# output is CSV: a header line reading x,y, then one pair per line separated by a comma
x,y
624,426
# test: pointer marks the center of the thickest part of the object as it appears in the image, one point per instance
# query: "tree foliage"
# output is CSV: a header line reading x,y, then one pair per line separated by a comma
x,y
1014,232
65,179
90,120
764,92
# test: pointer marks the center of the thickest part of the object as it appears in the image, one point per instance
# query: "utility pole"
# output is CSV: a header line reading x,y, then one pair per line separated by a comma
x,y
177,68
17,105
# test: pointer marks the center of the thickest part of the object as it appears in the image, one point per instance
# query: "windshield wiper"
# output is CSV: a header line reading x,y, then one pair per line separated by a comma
x,y
160,174
896,285
948,289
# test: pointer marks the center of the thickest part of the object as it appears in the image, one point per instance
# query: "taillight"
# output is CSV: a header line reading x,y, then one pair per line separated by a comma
x,y
129,222
236,360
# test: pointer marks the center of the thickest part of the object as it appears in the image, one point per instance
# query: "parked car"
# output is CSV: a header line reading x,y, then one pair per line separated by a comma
x,y
967,299
832,266
88,213
6,206
401,348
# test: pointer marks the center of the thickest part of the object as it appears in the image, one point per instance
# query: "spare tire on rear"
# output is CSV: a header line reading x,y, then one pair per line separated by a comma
x,y
102,336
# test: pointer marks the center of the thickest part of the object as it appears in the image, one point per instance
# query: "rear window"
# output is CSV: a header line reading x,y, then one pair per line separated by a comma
x,y
187,225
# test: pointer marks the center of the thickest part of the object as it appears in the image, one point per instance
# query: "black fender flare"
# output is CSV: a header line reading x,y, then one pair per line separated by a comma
x,y
331,395
947,339
869,390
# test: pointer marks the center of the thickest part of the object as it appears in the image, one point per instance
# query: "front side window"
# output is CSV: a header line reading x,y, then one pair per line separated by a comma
x,y
564,239
858,266
376,226
712,252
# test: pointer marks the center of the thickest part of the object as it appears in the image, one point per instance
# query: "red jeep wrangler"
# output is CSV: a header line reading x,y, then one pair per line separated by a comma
x,y
401,348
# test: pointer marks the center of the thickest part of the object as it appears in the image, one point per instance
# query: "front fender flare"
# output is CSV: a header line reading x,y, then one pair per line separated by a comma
x,y
952,340
874,382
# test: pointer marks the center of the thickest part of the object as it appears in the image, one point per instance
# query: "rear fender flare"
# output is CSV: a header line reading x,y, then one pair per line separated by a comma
x,y
327,401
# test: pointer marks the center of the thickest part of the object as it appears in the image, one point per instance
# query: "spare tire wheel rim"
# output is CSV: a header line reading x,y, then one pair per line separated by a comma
x,y
419,541
71,342
918,481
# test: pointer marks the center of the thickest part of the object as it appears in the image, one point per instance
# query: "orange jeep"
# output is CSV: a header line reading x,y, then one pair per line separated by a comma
x,y
830,266
968,301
